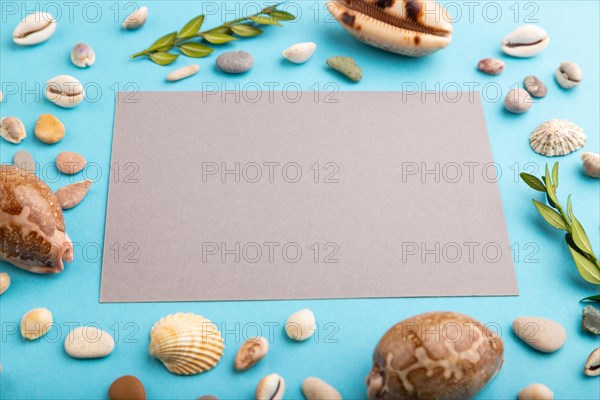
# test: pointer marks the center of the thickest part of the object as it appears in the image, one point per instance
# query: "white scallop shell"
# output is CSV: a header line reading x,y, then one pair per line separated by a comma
x,y
187,344
557,138
34,28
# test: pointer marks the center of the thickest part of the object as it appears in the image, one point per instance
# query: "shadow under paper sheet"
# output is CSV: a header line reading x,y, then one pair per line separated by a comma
x,y
255,195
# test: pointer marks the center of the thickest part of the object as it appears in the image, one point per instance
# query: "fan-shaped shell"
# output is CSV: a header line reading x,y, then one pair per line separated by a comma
x,y
187,344
557,138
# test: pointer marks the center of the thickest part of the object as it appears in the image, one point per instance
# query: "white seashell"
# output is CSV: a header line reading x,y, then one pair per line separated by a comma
x,y
317,389
34,28
83,55
300,52
251,352
12,129
542,334
557,138
591,164
64,91
271,387
408,27
187,344
300,325
136,19
536,391
36,323
4,282
183,73
592,365
525,41
569,75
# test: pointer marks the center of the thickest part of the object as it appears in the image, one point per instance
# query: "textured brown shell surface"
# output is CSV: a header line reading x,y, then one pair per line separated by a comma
x,y
187,344
437,355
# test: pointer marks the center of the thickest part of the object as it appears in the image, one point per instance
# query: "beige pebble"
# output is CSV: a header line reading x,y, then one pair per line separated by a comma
x,y
89,342
591,164
491,66
271,387
36,323
300,325
536,391
24,160
49,129
542,334
251,352
183,73
317,389
518,101
12,130
136,19
4,282
71,195
70,163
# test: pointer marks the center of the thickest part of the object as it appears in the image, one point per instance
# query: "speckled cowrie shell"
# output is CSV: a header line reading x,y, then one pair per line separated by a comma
x,y
34,28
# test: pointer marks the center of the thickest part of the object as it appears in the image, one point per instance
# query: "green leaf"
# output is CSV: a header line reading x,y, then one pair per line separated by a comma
x,y
550,190
580,237
282,15
533,182
246,30
555,175
591,298
587,269
218,38
192,27
195,50
222,29
264,20
570,209
162,58
164,41
551,216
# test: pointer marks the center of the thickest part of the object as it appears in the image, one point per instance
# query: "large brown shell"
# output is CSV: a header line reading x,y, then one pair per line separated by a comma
x,y
409,27
32,227
437,355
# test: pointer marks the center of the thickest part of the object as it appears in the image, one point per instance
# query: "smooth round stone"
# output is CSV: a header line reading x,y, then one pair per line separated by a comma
x,y
235,62
70,163
49,129
518,101
536,391
24,160
127,387
542,334
89,342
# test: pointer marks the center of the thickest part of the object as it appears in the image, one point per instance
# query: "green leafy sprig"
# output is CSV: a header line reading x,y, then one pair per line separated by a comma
x,y
185,39
576,238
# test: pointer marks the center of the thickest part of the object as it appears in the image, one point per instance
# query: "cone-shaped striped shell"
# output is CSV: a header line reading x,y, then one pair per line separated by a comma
x,y
187,344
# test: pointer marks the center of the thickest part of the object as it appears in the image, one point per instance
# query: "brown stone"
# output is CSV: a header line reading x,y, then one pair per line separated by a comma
x,y
71,195
49,129
127,387
70,163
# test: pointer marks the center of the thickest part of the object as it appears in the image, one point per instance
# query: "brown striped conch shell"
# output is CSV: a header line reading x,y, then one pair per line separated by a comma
x,y
32,227
187,344
412,28
437,355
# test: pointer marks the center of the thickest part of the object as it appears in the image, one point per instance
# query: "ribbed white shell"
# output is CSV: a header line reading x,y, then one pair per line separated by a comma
x,y
557,138
187,344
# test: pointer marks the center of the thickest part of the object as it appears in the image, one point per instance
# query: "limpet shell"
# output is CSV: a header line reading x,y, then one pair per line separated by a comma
x,y
83,55
592,365
526,41
34,28
437,355
536,391
557,138
12,130
300,325
408,27
136,19
4,282
36,323
71,195
591,164
187,344
300,52
251,352
64,91
271,387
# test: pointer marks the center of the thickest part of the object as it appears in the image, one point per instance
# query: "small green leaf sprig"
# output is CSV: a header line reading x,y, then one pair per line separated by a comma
x,y
576,238
184,40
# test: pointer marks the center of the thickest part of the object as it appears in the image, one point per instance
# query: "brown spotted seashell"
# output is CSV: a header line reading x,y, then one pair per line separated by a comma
x,y
32,228
412,28
437,355
187,344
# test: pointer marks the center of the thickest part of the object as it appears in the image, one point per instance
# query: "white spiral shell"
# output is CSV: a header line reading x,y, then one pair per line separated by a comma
x,y
186,343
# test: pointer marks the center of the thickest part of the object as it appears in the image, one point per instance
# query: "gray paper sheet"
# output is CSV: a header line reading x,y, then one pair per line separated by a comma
x,y
267,195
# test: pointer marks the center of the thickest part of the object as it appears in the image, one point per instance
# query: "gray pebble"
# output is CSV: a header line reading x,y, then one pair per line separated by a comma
x,y
24,160
535,87
518,101
235,62
590,321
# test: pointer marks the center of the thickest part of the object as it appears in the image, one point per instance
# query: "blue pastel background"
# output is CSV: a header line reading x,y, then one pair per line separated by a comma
x,y
349,329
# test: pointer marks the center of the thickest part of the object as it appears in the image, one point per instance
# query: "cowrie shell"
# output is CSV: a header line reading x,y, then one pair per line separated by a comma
x,y
34,28
64,91
525,41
